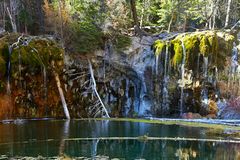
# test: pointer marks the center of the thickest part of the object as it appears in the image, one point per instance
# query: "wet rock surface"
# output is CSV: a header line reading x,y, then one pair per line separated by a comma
x,y
131,83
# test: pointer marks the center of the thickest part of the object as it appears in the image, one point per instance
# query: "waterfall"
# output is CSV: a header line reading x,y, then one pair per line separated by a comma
x,y
234,66
198,60
205,67
128,99
204,91
182,78
165,105
143,104
156,64
166,62
9,69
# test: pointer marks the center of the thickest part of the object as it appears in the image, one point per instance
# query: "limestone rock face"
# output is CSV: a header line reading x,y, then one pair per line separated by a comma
x,y
134,82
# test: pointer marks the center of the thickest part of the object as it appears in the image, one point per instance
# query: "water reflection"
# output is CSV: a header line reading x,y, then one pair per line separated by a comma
x,y
65,135
53,138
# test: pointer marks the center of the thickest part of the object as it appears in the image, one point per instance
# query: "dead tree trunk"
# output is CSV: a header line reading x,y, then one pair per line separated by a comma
x,y
228,12
95,88
13,23
64,104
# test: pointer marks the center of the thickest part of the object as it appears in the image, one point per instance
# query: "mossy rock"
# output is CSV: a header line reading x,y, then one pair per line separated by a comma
x,y
178,52
32,53
158,46
214,44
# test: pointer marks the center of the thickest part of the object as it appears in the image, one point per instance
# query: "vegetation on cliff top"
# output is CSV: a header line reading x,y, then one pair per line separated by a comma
x,y
215,44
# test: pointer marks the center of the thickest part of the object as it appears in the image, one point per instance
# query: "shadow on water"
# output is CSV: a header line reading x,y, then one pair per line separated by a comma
x,y
96,138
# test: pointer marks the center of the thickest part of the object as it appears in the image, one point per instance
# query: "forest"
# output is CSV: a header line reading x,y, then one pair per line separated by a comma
x,y
125,64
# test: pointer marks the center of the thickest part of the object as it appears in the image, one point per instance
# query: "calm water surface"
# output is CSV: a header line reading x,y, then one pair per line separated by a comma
x,y
55,137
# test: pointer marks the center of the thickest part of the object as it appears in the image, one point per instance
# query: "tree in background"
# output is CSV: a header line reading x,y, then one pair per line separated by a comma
x,y
54,16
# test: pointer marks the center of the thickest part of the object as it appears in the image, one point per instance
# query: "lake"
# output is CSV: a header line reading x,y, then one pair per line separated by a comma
x,y
107,139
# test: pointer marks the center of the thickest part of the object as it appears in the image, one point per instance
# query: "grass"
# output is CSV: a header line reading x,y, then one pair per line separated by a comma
x,y
171,122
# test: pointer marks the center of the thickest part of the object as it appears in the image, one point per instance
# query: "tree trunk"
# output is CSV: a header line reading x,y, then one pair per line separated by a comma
x,y
215,13
134,12
4,15
228,12
13,23
170,24
95,88
135,19
64,104
61,21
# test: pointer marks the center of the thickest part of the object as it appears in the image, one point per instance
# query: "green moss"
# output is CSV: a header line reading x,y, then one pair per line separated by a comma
x,y
191,43
215,48
171,122
121,42
39,52
214,44
159,46
2,67
204,46
178,52
84,37
229,39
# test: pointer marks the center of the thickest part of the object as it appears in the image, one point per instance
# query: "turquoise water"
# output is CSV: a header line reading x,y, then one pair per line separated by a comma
x,y
56,137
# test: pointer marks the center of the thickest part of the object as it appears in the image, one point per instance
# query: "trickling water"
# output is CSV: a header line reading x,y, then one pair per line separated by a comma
x,y
165,105
204,91
9,69
128,101
20,68
182,78
156,64
166,62
234,68
198,65
205,67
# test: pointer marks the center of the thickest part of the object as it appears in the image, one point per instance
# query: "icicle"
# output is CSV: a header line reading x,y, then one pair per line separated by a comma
x,y
182,77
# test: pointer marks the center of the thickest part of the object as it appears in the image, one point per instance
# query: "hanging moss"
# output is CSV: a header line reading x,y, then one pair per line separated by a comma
x,y
214,48
204,46
2,67
37,53
214,44
229,39
192,49
159,46
178,53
